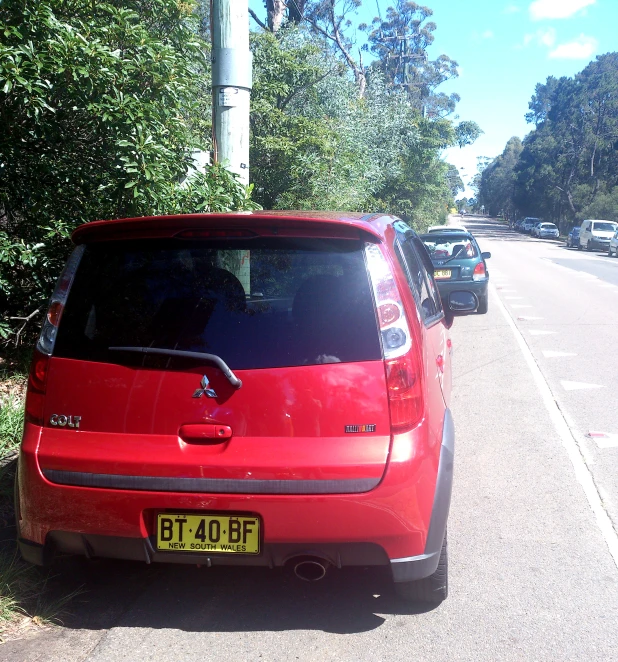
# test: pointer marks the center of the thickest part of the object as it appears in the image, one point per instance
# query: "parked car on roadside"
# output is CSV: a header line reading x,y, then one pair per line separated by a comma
x,y
572,240
533,229
459,264
529,223
446,228
546,231
596,234
261,388
612,249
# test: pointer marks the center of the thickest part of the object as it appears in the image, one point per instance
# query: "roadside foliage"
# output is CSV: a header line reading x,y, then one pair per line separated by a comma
x,y
567,167
100,104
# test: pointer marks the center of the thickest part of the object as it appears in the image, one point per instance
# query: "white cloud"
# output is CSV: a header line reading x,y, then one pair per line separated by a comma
x,y
547,38
582,48
512,9
541,37
488,34
541,9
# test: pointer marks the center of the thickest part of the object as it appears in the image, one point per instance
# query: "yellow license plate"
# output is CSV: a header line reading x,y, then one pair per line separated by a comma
x,y
442,273
208,533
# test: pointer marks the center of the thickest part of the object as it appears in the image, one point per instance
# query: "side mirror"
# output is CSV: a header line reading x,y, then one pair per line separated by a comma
x,y
486,255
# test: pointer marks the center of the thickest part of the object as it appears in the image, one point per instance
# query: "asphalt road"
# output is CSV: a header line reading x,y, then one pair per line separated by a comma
x,y
532,537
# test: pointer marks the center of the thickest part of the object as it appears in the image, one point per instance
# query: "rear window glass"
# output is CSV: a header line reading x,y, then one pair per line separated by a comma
x,y
257,303
449,245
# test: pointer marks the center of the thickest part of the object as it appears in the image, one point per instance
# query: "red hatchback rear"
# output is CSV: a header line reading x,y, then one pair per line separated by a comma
x,y
258,389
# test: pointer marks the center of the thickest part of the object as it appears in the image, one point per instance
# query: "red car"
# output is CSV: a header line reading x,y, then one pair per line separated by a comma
x,y
261,388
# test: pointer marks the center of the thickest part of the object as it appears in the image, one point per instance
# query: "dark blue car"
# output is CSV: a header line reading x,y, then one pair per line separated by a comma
x,y
572,240
459,265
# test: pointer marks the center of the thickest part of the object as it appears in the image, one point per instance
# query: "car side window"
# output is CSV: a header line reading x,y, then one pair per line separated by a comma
x,y
420,281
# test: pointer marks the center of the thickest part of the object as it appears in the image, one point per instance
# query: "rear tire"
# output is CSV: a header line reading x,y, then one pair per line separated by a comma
x,y
430,590
579,247
588,247
483,305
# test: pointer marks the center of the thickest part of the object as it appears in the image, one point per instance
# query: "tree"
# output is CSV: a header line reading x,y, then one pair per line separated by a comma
x,y
569,163
401,43
497,181
317,145
329,19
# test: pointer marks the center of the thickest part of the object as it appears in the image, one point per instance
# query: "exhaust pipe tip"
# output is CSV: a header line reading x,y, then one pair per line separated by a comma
x,y
310,569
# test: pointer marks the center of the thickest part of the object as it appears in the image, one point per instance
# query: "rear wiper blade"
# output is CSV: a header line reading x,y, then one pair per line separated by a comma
x,y
213,358
459,254
443,262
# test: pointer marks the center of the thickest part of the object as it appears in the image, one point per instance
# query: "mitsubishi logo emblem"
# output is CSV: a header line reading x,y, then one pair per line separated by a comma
x,y
205,390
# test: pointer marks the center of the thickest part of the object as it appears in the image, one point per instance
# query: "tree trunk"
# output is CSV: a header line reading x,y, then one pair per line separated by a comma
x,y
296,10
275,11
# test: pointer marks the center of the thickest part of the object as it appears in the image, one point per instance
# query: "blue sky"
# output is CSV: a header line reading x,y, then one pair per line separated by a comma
x,y
504,48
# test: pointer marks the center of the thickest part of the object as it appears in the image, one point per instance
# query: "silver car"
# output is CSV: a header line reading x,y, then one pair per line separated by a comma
x,y
547,230
613,245
529,223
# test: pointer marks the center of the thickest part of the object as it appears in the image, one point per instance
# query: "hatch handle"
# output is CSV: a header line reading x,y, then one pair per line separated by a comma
x,y
213,358
205,432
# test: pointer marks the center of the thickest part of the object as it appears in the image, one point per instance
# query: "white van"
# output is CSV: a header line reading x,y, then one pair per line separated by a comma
x,y
596,234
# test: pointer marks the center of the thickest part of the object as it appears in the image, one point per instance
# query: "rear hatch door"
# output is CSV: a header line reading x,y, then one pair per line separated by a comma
x,y
293,318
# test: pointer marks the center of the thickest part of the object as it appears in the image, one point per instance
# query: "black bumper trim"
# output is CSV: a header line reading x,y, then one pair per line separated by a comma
x,y
418,567
143,549
210,485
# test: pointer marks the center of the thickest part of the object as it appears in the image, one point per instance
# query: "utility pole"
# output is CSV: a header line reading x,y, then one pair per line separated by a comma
x,y
231,84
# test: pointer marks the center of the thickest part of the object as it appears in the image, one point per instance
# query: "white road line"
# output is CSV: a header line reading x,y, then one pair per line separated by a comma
x,y
527,318
513,298
519,305
540,332
551,354
582,473
578,386
609,441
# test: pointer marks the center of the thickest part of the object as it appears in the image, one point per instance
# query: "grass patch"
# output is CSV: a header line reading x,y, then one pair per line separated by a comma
x,y
26,595
11,419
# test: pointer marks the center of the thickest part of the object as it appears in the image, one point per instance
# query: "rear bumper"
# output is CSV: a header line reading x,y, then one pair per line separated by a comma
x,y
417,567
598,244
402,521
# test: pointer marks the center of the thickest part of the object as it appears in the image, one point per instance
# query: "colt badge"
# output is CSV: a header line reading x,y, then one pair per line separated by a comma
x,y
205,390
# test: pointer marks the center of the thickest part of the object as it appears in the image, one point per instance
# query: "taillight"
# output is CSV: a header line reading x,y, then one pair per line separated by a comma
x,y
404,392
402,366
47,339
479,272
37,381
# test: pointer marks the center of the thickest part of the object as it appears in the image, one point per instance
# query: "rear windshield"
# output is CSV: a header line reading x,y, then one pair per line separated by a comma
x,y
548,226
446,245
257,303
604,227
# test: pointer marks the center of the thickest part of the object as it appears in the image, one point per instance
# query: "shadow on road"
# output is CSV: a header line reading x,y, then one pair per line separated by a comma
x,y
485,228
224,599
